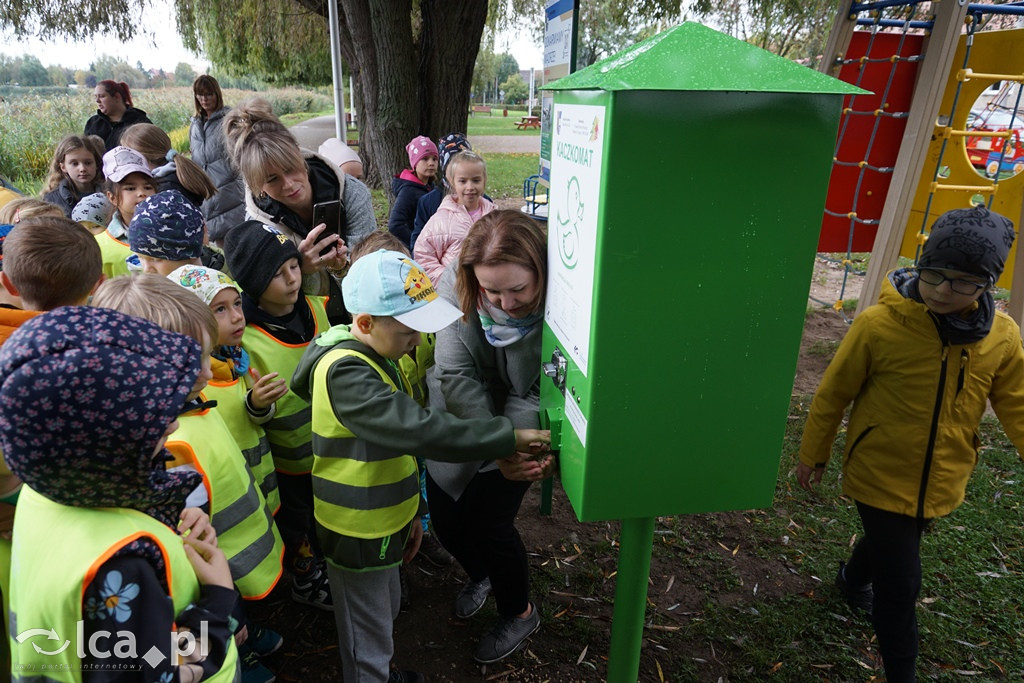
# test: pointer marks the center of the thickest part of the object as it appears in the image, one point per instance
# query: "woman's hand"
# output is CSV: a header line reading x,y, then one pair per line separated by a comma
x,y
527,467
267,389
335,253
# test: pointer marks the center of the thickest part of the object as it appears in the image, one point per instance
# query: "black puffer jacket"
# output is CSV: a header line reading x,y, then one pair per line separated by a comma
x,y
110,131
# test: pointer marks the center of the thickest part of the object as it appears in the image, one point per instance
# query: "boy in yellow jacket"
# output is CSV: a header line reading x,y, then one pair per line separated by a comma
x,y
919,368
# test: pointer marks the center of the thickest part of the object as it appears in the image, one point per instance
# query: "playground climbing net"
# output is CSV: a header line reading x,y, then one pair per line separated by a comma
x,y
883,58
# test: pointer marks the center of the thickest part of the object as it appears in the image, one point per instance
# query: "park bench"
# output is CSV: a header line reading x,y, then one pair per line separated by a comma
x,y
479,108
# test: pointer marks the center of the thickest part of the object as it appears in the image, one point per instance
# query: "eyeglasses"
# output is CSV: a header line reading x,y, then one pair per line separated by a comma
x,y
936,278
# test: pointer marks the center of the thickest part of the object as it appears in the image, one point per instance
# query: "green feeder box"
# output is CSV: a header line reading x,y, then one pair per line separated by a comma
x,y
688,182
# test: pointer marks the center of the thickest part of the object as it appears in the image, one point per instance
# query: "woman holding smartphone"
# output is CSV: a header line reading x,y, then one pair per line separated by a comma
x,y
283,184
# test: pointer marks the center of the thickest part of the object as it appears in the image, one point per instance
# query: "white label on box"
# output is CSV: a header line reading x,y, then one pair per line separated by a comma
x,y
577,419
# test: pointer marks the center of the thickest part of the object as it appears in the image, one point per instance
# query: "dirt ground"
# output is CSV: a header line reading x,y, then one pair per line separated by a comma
x,y
573,566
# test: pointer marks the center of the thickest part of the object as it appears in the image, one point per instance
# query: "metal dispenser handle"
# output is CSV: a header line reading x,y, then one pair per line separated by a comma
x,y
556,369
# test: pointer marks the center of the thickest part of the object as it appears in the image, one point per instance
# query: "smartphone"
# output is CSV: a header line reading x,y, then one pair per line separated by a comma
x,y
328,213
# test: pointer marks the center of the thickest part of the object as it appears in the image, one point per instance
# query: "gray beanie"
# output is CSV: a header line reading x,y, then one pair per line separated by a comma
x,y
974,241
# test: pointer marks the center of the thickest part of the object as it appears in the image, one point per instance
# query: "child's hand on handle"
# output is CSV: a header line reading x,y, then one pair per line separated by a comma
x,y
808,476
194,523
267,389
208,561
534,441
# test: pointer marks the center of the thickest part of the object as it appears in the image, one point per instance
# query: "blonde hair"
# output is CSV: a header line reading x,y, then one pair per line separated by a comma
x,y
466,156
69,143
257,141
156,298
23,208
153,143
52,261
375,241
503,236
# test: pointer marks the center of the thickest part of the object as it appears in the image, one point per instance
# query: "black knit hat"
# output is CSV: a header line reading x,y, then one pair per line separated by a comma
x,y
973,240
255,251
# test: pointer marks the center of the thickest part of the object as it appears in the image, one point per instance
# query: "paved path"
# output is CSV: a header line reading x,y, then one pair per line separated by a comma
x,y
313,132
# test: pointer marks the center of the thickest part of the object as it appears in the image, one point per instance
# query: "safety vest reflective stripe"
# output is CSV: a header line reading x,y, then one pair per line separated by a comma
x,y
289,436
291,422
49,580
359,489
236,512
284,456
250,557
250,437
238,509
367,498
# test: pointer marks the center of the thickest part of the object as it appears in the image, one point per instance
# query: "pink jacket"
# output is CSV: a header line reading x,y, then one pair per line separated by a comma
x,y
439,243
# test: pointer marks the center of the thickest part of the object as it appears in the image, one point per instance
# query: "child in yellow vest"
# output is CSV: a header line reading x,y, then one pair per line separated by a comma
x,y
130,559
129,181
238,511
245,399
369,431
50,263
280,324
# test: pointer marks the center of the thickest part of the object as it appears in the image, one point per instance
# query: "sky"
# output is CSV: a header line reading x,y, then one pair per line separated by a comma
x,y
159,47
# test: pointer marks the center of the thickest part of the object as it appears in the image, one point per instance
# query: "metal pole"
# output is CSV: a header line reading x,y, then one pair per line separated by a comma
x,y
339,91
636,545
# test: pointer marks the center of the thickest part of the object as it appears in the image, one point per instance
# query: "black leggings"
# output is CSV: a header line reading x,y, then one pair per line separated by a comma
x,y
479,530
889,557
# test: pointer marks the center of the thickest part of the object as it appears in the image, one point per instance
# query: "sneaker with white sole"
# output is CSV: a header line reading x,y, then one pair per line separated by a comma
x,y
313,590
507,636
472,597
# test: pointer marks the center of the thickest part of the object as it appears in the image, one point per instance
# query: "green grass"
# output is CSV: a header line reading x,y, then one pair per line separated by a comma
x,y
496,124
505,175
766,609
31,126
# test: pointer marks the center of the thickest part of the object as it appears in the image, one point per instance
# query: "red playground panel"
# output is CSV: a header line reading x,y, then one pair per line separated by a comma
x,y
855,131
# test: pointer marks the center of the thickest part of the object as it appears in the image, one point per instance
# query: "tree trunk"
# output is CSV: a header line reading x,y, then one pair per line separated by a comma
x,y
407,84
449,43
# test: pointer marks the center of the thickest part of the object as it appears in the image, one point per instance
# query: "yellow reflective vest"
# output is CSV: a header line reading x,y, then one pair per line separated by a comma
x,y
363,498
49,579
245,528
114,252
250,437
289,430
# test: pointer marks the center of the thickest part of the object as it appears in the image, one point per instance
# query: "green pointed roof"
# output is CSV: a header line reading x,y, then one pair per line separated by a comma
x,y
692,56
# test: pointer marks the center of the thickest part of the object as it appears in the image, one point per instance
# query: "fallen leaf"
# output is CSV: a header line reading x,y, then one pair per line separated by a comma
x,y
582,655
